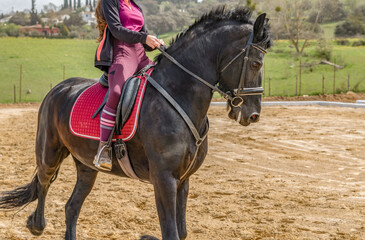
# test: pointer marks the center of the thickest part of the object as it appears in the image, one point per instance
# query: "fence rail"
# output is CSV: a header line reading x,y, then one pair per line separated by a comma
x,y
323,85
297,84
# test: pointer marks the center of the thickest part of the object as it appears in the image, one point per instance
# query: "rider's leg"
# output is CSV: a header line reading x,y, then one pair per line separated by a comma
x,y
125,64
144,60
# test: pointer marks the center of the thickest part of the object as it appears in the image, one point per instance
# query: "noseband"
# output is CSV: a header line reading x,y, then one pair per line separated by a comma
x,y
241,91
236,100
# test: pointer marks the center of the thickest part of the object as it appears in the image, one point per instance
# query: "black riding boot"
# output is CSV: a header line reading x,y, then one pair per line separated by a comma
x,y
102,159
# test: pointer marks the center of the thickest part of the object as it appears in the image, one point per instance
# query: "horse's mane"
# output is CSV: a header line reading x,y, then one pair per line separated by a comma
x,y
239,14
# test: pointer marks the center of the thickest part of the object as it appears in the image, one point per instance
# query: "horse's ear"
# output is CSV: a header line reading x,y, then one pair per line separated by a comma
x,y
258,28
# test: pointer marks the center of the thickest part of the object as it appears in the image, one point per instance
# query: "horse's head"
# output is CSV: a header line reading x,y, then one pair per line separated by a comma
x,y
240,69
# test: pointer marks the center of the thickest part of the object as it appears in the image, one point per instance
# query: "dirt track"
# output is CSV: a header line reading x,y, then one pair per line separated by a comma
x,y
297,174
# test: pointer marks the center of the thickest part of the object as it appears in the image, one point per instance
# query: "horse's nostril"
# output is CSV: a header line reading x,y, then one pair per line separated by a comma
x,y
254,117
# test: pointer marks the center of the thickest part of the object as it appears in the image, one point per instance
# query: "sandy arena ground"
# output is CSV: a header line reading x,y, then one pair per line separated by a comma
x,y
297,174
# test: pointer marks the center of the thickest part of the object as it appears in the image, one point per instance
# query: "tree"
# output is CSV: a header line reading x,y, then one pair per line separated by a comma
x,y
78,3
74,4
354,24
150,7
74,20
87,3
170,18
294,20
63,29
331,11
65,4
350,28
50,7
70,4
251,5
20,18
33,14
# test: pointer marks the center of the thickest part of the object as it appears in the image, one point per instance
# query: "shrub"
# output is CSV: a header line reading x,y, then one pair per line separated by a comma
x,y
343,42
12,30
74,34
2,34
351,27
35,33
323,49
358,43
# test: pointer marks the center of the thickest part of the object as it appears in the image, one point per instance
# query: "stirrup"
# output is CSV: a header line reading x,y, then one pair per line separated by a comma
x,y
106,166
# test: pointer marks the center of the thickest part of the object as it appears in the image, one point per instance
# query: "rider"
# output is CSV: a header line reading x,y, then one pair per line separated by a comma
x,y
121,52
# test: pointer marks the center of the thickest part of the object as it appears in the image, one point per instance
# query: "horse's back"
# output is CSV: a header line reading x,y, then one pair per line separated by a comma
x,y
68,89
56,107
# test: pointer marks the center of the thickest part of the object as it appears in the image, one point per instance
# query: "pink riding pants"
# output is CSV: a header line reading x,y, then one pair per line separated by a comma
x,y
127,60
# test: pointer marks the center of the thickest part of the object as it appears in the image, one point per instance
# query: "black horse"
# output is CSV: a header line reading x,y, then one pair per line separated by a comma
x,y
163,146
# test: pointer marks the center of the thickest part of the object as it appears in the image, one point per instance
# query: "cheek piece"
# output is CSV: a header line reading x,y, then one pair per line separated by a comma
x,y
237,100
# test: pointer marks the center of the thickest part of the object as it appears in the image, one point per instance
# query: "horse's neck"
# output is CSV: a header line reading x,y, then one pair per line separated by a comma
x,y
192,95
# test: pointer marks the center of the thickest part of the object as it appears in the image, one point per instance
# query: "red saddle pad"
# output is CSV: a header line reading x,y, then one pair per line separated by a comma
x,y
83,125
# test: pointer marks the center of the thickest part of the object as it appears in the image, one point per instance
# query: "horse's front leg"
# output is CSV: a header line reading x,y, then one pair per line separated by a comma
x,y
182,197
165,186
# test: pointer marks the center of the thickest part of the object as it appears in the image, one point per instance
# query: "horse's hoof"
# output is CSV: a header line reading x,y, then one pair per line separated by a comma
x,y
148,237
37,231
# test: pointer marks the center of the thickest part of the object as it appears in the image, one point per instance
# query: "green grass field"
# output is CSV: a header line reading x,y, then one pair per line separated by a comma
x,y
329,29
282,68
43,61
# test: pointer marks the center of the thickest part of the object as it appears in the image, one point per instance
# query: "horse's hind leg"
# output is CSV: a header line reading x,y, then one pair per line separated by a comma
x,y
49,154
85,182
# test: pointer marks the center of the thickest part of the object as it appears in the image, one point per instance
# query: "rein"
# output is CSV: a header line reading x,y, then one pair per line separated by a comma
x,y
215,88
238,93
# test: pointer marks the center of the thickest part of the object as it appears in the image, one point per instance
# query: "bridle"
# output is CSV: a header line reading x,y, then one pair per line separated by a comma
x,y
239,92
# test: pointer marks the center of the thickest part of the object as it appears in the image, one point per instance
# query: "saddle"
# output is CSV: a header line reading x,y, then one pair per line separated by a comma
x,y
84,122
127,98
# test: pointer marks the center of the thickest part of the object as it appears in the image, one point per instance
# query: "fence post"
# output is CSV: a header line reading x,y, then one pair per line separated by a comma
x,y
20,82
300,77
334,78
14,93
264,76
348,82
296,85
64,72
269,86
322,84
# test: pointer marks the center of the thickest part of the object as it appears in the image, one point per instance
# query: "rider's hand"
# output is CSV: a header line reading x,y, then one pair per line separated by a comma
x,y
154,42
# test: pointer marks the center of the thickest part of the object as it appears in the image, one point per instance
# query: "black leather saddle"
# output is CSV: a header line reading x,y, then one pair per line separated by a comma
x,y
127,98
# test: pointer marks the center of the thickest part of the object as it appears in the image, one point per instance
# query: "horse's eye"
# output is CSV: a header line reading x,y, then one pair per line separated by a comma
x,y
256,65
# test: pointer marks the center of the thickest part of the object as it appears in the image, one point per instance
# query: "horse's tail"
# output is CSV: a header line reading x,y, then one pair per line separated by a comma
x,y
20,196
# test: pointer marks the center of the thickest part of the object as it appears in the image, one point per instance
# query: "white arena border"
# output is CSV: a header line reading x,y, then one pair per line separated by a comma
x,y
358,104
